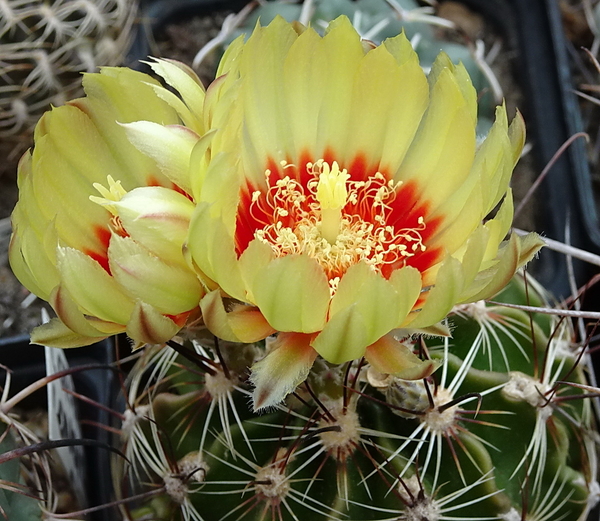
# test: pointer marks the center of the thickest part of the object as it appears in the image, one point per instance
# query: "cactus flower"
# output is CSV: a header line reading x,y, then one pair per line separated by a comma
x,y
346,202
104,208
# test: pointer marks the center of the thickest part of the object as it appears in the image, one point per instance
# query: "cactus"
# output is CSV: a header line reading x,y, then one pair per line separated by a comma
x,y
288,246
497,430
15,505
46,45
22,481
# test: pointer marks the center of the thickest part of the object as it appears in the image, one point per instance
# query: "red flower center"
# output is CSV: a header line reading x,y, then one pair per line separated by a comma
x,y
379,221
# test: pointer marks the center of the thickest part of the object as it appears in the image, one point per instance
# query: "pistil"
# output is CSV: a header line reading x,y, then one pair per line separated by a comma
x,y
332,195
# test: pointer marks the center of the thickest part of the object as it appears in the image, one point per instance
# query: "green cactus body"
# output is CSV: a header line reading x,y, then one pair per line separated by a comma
x,y
14,504
491,435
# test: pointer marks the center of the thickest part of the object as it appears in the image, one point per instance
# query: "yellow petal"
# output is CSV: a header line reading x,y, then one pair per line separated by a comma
x,y
516,133
170,146
512,254
128,95
442,297
149,326
463,213
304,76
168,288
212,249
342,52
493,161
261,96
293,294
64,198
408,285
30,261
385,135
472,255
70,315
220,184
443,63
221,106
230,59
442,152
73,137
158,218
199,163
243,324
122,95
255,257
344,337
403,118
530,245
439,329
183,79
364,308
94,290
189,119
56,334
499,226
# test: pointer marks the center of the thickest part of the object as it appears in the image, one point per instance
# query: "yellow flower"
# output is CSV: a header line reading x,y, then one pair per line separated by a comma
x,y
345,198
105,205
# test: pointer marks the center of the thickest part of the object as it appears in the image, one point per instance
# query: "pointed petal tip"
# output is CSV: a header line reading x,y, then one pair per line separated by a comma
x,y
284,368
262,402
56,334
390,356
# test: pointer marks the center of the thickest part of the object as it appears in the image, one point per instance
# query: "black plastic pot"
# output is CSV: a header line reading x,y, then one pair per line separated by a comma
x,y
27,363
534,28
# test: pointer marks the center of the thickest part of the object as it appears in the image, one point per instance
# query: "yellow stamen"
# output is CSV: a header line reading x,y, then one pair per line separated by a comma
x,y
298,216
332,196
113,194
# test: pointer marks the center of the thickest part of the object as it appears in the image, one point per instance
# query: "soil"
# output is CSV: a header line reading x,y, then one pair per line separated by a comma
x,y
181,41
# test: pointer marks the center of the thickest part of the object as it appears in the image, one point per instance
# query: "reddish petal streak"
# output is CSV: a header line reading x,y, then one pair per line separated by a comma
x,y
101,257
153,181
179,319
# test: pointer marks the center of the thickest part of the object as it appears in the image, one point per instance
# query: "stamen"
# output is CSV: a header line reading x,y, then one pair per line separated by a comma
x,y
295,220
113,194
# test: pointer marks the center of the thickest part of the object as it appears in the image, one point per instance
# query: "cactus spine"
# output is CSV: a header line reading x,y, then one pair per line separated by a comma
x,y
46,45
495,433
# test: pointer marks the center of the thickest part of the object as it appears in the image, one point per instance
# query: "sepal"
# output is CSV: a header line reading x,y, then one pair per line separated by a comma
x,y
149,326
243,324
56,334
284,368
391,356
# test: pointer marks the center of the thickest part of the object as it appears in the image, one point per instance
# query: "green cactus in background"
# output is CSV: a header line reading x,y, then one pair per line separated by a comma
x,y
46,45
496,432
15,505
